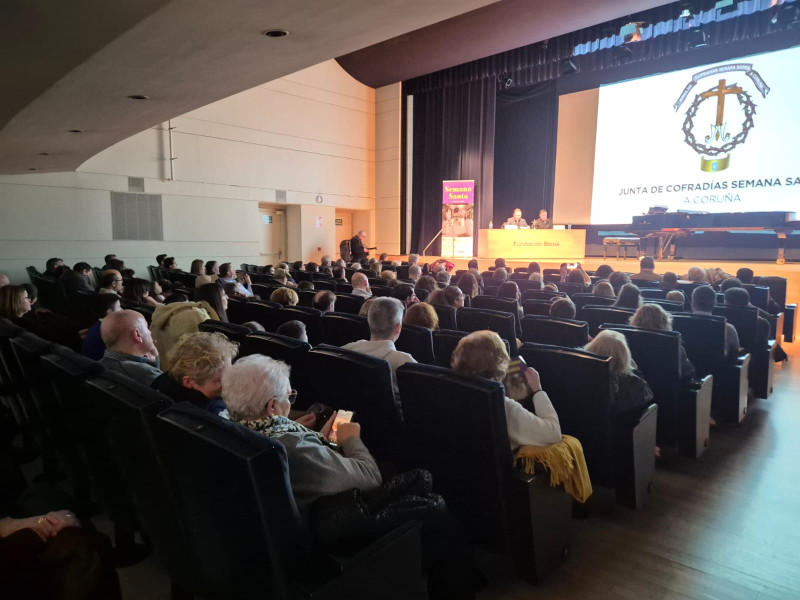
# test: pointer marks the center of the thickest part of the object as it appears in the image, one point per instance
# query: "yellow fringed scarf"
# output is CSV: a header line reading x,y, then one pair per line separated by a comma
x,y
566,464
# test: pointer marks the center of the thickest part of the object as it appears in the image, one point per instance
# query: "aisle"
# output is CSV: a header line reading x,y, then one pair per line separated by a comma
x,y
726,526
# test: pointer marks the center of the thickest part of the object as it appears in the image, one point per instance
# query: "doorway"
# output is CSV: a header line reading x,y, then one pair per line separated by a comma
x,y
272,246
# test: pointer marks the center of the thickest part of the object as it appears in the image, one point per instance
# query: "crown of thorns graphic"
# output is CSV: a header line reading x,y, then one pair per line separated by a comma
x,y
749,107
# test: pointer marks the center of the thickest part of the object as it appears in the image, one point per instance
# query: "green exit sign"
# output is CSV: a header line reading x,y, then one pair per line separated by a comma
x,y
339,222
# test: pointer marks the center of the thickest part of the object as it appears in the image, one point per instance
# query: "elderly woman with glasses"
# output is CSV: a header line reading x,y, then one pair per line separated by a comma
x,y
257,393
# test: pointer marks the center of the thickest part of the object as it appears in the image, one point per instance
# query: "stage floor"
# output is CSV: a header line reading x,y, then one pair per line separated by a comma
x,y
631,265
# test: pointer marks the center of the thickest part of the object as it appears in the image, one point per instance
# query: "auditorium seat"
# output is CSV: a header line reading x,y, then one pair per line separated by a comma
x,y
597,315
265,313
235,333
251,539
536,307
264,291
402,272
418,342
457,430
325,284
526,285
339,329
444,343
502,323
236,310
349,380
653,293
645,283
667,305
128,410
684,408
703,336
422,294
343,287
306,298
494,303
762,357
570,288
290,350
777,291
348,303
620,452
539,294
583,299
568,333
309,316
447,316
379,291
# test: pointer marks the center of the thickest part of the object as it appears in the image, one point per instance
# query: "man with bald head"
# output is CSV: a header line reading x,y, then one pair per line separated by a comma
x,y
360,285
130,349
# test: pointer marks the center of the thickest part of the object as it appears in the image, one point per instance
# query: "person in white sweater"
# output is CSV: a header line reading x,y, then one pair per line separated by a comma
x,y
483,354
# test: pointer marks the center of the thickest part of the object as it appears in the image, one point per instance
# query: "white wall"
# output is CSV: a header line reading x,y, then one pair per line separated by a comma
x,y
387,169
308,134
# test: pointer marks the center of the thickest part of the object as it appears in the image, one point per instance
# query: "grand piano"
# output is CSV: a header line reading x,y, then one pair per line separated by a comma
x,y
664,228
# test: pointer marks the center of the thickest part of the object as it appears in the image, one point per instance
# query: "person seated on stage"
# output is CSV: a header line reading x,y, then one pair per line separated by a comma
x,y
652,316
738,296
562,308
422,314
516,220
483,354
468,284
293,329
669,281
676,296
646,268
543,222
603,288
604,271
704,299
629,297
617,279
631,392
360,284
358,250
324,301
696,275
500,273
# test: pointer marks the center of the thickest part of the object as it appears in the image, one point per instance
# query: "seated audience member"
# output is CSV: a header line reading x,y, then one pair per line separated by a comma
x,y
325,300
704,299
171,321
731,282
413,259
604,271
115,264
213,295
449,296
414,272
428,283
228,275
339,274
4,280
617,279
563,272
500,273
652,316
293,329
550,287
197,364
472,266
578,275
499,263
298,265
374,270
364,310
360,285
306,286
647,270
405,294
738,296
442,277
468,284
166,289
232,291
15,305
138,292
603,288
630,296
385,323
669,281
268,270
157,292
130,349
510,291
176,297
483,354
111,283
197,267
170,264
54,267
325,262
282,278
533,267
676,296
102,306
422,314
258,395
745,275
312,267
696,275
383,257
562,308
211,272
715,276
160,260
388,276
107,260
285,296
254,326
536,277
631,393
76,280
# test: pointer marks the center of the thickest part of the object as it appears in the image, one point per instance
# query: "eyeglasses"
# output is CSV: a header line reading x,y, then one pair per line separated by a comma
x,y
292,396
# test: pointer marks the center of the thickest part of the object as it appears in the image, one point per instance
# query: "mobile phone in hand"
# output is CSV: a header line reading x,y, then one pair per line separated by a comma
x,y
342,416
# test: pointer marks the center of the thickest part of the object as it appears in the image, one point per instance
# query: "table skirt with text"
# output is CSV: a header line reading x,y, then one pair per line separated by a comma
x,y
532,243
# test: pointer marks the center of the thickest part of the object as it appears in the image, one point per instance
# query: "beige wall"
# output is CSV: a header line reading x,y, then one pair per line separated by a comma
x,y
312,133
577,127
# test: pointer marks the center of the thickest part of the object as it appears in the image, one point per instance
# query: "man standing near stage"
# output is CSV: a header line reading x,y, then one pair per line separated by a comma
x,y
543,222
358,251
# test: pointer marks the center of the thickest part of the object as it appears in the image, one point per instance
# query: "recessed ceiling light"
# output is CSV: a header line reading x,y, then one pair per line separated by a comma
x,y
276,33
44,154
139,97
75,131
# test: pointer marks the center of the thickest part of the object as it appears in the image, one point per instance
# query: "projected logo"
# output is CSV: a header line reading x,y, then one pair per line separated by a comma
x,y
721,118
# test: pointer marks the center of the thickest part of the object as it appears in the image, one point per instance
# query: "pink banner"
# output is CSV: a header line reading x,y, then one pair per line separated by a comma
x,y
458,198
461,191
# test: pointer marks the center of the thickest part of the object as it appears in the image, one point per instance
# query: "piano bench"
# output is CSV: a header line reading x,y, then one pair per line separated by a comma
x,y
621,242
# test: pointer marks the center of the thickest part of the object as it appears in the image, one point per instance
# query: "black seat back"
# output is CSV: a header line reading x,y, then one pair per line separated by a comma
x,y
366,389
569,287
654,293
447,316
306,298
537,306
704,339
579,385
418,342
667,305
745,320
237,310
493,303
502,323
349,303
324,284
645,283
597,315
309,316
235,333
444,343
289,350
556,332
263,313
339,329
759,295
542,295
582,299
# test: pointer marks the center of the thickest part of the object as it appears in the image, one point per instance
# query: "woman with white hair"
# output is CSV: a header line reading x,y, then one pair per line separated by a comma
x,y
631,392
257,393
652,316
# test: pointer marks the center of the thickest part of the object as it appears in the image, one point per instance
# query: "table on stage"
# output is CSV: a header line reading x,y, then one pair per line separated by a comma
x,y
532,243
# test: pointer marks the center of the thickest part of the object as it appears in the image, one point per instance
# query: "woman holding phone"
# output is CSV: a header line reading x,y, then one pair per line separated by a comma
x,y
258,395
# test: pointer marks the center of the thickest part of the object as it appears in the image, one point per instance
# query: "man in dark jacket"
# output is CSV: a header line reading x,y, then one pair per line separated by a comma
x,y
358,250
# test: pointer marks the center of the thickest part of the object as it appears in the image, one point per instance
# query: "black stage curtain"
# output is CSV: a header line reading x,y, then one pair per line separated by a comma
x,y
525,150
453,139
